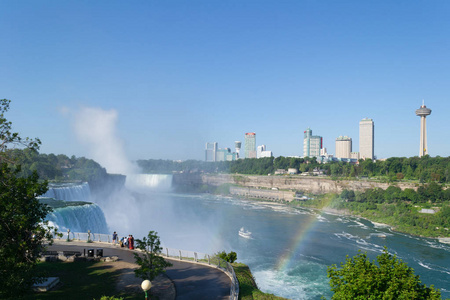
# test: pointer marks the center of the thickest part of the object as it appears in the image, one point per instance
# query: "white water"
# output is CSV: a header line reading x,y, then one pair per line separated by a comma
x,y
69,192
120,211
154,182
79,218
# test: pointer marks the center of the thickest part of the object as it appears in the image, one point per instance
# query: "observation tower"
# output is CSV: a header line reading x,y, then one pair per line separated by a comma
x,y
423,112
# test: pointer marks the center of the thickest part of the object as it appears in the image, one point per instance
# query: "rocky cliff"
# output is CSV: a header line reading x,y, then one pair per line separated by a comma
x,y
309,184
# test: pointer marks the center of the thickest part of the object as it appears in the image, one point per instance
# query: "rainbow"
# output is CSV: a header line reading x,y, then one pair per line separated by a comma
x,y
286,260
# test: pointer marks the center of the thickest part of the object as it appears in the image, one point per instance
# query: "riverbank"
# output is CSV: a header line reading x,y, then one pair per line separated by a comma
x,y
327,203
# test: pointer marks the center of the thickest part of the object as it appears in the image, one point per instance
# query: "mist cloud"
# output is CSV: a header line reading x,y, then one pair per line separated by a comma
x,y
96,129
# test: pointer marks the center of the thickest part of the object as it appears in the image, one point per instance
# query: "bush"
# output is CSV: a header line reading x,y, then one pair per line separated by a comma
x,y
230,257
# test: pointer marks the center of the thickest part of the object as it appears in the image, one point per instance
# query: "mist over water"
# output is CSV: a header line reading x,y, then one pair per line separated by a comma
x,y
96,129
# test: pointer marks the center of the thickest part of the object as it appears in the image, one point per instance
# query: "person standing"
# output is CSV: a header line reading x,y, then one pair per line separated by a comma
x,y
114,238
131,242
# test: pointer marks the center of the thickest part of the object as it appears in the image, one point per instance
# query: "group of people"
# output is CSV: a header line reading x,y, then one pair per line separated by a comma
x,y
124,242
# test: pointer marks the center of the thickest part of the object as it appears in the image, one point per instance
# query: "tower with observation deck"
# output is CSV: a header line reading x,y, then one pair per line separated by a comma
x,y
423,112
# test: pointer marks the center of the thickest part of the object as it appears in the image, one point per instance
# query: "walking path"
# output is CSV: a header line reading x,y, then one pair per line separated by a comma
x,y
183,281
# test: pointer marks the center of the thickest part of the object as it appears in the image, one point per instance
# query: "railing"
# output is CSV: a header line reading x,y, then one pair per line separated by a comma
x,y
198,257
84,236
183,255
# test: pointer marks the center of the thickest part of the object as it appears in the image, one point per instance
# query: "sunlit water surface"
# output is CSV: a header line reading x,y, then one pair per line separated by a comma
x,y
290,248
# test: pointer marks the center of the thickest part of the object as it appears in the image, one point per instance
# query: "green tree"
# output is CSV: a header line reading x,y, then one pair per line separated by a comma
x,y
230,257
388,278
150,262
22,230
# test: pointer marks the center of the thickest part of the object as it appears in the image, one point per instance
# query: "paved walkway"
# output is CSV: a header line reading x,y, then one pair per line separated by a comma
x,y
191,281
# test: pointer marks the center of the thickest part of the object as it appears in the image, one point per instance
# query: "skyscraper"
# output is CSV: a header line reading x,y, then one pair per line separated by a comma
x,y
250,145
366,138
211,151
237,146
423,112
343,147
311,144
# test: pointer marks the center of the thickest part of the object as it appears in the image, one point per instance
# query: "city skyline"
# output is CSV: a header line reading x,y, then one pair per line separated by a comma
x,y
171,76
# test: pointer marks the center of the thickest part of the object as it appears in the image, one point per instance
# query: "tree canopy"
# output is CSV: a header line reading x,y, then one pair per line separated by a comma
x,y
151,264
386,278
22,226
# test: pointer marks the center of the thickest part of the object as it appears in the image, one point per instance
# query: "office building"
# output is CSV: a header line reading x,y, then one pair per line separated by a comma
x,y
263,152
225,155
423,112
343,147
311,144
237,146
259,150
250,145
354,155
210,151
266,153
366,139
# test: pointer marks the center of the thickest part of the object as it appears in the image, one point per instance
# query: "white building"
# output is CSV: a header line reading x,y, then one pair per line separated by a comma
x,y
343,147
259,150
266,153
366,139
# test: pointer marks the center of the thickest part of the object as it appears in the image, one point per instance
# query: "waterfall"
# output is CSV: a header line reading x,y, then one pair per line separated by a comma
x,y
156,182
68,191
79,218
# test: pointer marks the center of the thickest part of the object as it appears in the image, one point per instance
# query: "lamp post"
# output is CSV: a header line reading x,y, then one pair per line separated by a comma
x,y
146,285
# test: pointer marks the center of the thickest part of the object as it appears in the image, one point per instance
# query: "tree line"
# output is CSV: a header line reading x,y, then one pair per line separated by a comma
x,y
62,167
423,169
56,167
401,208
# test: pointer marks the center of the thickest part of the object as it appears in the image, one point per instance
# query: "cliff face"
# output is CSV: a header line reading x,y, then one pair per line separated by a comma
x,y
315,185
106,185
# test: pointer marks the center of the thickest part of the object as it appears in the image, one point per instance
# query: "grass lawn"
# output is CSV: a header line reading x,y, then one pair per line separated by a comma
x,y
81,280
248,289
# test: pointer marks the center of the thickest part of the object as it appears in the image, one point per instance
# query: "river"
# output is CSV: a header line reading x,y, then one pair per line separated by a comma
x,y
290,248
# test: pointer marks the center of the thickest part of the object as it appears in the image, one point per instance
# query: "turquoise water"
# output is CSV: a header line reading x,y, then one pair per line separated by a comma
x,y
290,249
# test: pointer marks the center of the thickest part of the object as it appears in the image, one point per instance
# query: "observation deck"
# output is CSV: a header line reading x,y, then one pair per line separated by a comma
x,y
423,111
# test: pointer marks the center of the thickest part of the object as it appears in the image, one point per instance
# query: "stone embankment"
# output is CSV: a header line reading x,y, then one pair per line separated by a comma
x,y
308,184
273,195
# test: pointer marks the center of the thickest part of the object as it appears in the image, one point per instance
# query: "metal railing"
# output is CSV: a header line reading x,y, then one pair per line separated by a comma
x,y
171,253
84,236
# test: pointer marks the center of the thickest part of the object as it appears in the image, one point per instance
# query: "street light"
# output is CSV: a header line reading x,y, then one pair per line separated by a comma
x,y
146,285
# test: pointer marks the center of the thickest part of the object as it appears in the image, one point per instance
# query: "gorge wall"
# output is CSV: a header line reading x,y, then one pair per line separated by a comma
x,y
309,184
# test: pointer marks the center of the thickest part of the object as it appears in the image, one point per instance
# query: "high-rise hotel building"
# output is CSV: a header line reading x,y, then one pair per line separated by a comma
x,y
211,151
343,147
311,144
366,139
250,145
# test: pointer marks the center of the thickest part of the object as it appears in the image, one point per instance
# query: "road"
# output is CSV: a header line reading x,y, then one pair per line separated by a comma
x,y
192,281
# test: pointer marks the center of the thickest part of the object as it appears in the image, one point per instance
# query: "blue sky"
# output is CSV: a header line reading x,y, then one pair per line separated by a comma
x,y
178,74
